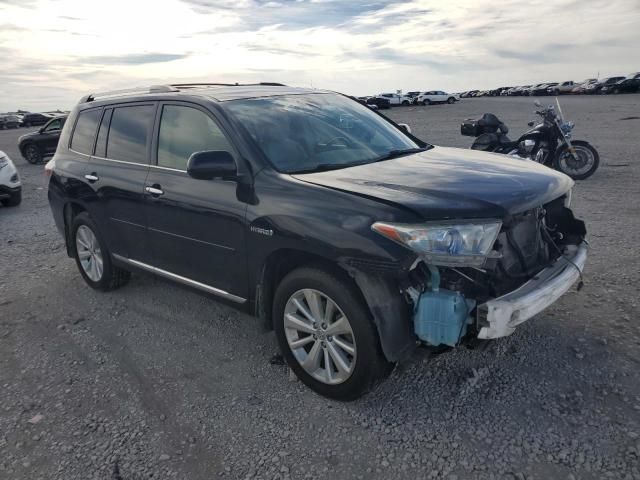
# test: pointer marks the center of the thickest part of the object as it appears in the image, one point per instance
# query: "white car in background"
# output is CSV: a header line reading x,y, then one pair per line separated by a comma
x,y
10,185
397,98
436,96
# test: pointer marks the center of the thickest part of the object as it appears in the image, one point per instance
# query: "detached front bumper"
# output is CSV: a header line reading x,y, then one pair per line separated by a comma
x,y
500,317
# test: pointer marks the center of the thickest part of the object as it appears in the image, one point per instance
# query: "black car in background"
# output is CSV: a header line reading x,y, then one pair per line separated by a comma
x,y
9,121
35,146
35,119
351,238
380,102
631,84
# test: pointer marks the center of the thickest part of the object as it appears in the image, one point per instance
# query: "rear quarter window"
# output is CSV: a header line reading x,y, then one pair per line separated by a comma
x,y
85,131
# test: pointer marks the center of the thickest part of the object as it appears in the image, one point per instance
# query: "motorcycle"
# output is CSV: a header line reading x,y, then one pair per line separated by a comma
x,y
548,142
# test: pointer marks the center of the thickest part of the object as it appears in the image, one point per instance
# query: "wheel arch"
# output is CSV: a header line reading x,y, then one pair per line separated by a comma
x,y
389,312
70,211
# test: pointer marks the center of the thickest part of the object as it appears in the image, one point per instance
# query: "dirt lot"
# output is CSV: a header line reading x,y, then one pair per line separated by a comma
x,y
155,381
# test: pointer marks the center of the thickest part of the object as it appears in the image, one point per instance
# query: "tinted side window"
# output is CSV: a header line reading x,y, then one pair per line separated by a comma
x,y
129,132
183,131
85,131
54,125
101,143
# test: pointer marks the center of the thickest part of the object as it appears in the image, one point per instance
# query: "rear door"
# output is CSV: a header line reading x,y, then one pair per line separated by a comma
x,y
196,227
118,170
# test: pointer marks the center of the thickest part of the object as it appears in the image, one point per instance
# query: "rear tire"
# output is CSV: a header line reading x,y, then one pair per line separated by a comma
x,y
93,257
314,289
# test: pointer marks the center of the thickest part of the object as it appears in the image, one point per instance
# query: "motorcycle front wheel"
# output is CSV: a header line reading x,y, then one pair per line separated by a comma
x,y
582,164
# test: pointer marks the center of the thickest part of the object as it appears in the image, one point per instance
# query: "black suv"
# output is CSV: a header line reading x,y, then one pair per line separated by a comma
x,y
352,238
36,145
35,119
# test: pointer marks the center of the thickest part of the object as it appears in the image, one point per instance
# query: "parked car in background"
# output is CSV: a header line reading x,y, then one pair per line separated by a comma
x,y
380,102
596,87
562,88
520,91
541,89
35,146
35,119
436,96
9,121
10,185
631,84
581,88
396,98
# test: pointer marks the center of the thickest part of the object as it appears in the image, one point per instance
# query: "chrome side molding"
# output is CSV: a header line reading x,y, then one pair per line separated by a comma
x,y
180,279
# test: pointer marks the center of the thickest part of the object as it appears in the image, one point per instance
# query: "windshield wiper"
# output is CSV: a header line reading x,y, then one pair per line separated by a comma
x,y
400,153
324,167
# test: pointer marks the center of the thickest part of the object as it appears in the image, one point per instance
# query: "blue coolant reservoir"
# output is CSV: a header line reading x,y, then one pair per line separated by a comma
x,y
441,317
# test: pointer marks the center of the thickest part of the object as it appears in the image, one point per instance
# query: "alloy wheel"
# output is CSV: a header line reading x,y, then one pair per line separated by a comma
x,y
320,336
32,154
89,253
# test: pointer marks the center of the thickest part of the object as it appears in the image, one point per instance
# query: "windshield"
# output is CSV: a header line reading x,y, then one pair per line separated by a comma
x,y
318,131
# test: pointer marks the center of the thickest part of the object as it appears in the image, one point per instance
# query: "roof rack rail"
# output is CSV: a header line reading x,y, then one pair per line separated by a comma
x,y
117,93
206,84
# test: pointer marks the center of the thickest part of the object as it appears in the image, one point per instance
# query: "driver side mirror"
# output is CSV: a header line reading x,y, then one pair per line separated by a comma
x,y
530,124
404,127
211,164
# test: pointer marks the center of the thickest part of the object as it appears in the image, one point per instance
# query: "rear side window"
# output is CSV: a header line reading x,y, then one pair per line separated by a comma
x,y
129,133
85,131
183,131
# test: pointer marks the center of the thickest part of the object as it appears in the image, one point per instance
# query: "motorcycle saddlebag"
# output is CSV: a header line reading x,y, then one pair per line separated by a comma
x,y
485,142
471,128
488,123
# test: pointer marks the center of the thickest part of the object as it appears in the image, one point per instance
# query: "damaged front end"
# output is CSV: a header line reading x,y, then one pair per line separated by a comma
x,y
483,278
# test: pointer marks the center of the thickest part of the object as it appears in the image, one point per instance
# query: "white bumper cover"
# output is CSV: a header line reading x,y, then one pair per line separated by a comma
x,y
500,317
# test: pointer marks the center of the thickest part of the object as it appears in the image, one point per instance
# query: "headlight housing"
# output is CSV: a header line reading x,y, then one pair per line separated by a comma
x,y
458,243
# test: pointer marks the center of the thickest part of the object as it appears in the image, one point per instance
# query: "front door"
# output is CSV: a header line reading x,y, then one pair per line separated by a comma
x,y
195,227
50,136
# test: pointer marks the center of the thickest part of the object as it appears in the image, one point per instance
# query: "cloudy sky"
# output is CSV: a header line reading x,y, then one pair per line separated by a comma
x,y
54,51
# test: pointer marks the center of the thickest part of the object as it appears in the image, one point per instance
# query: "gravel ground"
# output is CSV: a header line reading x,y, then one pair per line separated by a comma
x,y
155,381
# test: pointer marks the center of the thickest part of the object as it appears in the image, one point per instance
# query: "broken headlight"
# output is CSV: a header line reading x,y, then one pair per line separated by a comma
x,y
444,243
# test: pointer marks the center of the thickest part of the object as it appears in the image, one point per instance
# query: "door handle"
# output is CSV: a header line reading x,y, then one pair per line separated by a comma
x,y
92,177
154,191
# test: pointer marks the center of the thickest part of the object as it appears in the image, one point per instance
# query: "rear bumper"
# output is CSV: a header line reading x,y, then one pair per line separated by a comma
x,y
8,192
500,317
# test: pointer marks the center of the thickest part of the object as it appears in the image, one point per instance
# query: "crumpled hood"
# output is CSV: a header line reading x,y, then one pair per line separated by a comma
x,y
451,183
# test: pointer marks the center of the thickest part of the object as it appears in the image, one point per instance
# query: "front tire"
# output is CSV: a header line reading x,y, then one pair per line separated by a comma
x,y
32,154
426,102
586,165
326,334
93,257
451,100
